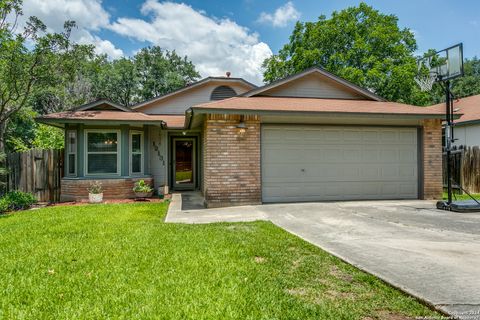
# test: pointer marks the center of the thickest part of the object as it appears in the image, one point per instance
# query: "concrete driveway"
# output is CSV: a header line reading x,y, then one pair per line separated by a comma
x,y
432,254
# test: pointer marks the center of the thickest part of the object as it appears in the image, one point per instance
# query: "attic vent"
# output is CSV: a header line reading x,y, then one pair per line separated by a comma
x,y
222,92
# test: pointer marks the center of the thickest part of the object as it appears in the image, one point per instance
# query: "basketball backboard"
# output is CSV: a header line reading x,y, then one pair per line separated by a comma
x,y
440,66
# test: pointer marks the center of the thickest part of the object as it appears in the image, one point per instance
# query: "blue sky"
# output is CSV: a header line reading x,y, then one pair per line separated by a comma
x,y
237,35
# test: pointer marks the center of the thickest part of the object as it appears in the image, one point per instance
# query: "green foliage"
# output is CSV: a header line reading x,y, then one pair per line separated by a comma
x,y
95,187
161,71
16,200
359,44
122,261
151,72
47,137
24,133
142,186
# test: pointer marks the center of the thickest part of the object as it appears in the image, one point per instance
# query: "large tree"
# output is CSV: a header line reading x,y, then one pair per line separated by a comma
x,y
161,71
27,59
359,44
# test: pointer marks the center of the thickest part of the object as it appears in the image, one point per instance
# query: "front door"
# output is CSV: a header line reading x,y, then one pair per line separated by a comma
x,y
184,163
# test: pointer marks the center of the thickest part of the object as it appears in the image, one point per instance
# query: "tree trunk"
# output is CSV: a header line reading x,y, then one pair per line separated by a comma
x,y
3,128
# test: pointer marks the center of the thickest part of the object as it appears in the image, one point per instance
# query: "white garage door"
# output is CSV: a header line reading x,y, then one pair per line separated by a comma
x,y
316,163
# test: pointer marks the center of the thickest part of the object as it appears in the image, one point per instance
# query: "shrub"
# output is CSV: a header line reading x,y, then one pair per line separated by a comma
x,y
95,187
141,186
16,200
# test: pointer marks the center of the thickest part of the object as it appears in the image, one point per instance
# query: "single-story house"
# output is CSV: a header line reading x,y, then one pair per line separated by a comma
x,y
309,137
467,129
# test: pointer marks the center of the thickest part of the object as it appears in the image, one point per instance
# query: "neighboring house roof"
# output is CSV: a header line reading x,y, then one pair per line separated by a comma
x,y
468,106
282,104
191,86
364,92
101,104
171,121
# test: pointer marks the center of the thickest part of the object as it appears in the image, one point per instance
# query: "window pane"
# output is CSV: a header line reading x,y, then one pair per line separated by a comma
x,y
71,164
102,142
102,163
136,163
72,142
136,143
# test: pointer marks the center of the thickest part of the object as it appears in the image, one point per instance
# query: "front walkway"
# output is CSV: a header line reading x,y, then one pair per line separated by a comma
x,y
431,254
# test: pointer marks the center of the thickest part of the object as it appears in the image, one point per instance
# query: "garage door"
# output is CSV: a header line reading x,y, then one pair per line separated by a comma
x,y
318,163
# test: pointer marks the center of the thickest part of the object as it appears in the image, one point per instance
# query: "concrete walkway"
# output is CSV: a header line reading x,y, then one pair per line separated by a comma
x,y
431,254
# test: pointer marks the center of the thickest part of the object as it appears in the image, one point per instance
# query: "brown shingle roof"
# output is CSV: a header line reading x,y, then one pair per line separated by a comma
x,y
173,121
469,107
318,105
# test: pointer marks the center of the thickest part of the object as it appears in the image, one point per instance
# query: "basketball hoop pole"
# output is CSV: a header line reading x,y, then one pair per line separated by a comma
x,y
448,138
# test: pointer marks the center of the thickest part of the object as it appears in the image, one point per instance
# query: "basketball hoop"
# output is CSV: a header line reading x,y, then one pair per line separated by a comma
x,y
425,76
426,82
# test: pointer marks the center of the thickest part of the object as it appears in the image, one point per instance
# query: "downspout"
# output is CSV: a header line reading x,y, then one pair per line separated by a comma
x,y
188,118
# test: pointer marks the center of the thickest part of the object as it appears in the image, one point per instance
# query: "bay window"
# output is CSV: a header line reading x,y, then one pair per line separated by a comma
x,y
102,152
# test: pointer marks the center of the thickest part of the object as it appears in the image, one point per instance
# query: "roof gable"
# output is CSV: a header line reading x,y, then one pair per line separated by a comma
x,y
102,105
314,83
193,86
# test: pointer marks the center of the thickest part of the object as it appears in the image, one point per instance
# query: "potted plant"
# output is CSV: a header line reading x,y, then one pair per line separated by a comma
x,y
142,189
95,192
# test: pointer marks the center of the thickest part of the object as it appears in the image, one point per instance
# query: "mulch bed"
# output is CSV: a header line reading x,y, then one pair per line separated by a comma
x,y
106,201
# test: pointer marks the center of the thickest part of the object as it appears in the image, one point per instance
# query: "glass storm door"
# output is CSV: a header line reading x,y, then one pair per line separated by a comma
x,y
184,163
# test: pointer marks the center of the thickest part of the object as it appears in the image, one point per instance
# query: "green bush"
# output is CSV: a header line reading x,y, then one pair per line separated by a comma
x,y
16,200
142,186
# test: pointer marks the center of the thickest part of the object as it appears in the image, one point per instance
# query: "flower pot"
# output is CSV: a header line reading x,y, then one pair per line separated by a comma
x,y
95,197
143,194
162,191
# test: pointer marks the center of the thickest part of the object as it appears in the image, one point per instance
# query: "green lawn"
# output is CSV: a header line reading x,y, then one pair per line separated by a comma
x,y
461,196
123,261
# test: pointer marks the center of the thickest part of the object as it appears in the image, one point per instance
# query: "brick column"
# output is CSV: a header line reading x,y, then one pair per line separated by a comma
x,y
231,172
432,159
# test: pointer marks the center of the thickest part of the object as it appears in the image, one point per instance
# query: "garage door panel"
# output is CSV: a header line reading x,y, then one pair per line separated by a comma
x,y
316,163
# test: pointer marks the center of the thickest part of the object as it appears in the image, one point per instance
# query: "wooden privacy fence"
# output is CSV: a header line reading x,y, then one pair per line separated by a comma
x,y
465,168
36,171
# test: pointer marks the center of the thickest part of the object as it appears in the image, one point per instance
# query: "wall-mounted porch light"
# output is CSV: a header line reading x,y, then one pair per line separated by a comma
x,y
241,126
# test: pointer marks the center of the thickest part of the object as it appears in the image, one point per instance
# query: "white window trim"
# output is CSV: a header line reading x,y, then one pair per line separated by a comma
x,y
118,153
132,132
68,153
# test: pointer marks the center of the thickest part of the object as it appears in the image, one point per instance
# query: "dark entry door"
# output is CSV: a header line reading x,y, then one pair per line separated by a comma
x,y
184,163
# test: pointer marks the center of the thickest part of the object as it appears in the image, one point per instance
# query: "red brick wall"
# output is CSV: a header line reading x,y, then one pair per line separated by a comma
x,y
76,190
231,173
432,159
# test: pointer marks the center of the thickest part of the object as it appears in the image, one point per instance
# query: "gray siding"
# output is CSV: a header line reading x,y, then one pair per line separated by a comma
x,y
468,135
158,156
178,104
314,86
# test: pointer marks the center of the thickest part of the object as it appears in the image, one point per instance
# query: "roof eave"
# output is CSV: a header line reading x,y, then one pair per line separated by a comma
x,y
200,110
58,121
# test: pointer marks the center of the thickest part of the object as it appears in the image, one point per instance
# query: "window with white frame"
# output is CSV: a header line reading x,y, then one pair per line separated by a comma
x,y
71,152
136,152
102,152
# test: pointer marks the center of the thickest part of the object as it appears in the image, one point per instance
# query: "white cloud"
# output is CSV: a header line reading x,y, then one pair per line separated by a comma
x,y
282,16
214,45
89,16
101,46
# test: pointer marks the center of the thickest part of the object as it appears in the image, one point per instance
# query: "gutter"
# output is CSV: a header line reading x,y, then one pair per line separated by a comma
x,y
320,113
